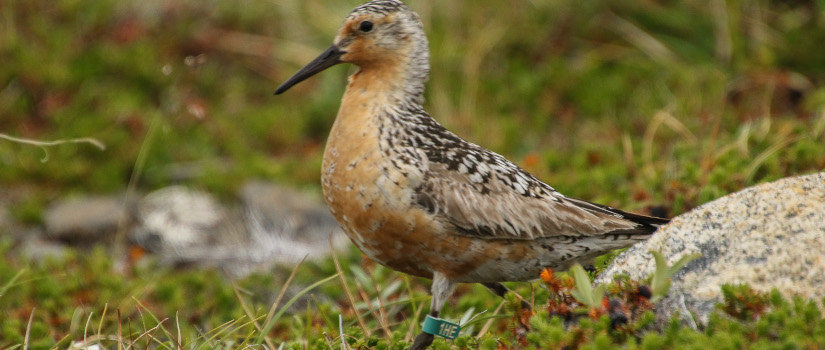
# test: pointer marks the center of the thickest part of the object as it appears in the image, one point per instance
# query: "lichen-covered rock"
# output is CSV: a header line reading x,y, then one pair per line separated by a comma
x,y
177,218
768,236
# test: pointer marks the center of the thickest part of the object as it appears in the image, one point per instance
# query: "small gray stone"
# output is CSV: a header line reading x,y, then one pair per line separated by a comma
x,y
768,236
86,218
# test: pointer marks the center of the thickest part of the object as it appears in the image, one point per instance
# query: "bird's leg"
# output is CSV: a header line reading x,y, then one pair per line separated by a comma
x,y
441,289
521,326
501,290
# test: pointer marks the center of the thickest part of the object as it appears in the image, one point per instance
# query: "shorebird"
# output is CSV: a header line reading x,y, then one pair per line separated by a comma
x,y
415,197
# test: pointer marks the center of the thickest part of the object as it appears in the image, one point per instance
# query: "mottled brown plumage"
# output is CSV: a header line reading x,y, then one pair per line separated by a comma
x,y
419,199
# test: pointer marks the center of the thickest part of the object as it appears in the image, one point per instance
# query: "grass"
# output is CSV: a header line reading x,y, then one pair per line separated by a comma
x,y
628,103
76,302
150,306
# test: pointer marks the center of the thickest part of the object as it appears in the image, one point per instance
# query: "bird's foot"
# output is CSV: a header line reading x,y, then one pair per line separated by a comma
x,y
525,305
422,341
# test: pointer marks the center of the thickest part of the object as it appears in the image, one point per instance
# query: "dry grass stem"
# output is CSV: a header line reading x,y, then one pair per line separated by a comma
x,y
382,312
347,291
492,319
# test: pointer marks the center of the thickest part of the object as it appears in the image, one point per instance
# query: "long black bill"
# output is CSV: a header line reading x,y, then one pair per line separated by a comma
x,y
329,58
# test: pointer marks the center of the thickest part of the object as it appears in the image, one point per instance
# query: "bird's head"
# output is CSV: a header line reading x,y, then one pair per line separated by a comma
x,y
379,34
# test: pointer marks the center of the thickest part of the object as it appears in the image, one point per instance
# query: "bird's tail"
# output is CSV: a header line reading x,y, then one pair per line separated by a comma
x,y
646,224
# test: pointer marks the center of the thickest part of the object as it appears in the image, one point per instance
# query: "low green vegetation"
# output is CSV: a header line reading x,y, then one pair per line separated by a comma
x,y
629,103
57,303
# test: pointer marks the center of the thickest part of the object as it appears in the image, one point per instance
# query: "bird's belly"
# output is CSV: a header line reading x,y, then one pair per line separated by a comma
x,y
504,260
409,239
523,260
375,208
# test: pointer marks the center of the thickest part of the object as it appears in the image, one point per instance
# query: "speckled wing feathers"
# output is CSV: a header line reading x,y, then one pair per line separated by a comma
x,y
496,209
480,193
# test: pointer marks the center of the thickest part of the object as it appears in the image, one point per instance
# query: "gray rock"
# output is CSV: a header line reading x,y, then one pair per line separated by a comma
x,y
287,225
86,218
176,219
275,225
770,235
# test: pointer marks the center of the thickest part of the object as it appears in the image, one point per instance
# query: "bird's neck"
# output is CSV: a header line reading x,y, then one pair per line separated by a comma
x,y
396,83
378,96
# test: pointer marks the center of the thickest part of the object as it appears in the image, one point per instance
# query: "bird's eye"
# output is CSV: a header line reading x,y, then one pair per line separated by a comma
x,y
365,26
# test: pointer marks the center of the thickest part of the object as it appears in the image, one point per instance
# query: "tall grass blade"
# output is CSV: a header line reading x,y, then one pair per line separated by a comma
x,y
289,303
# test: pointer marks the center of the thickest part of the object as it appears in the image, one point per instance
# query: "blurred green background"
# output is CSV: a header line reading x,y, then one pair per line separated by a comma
x,y
625,102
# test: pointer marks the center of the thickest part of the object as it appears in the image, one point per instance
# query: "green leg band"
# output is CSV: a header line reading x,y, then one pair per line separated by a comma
x,y
441,328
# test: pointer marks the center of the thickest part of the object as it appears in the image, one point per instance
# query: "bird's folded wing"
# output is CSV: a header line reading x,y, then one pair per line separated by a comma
x,y
508,202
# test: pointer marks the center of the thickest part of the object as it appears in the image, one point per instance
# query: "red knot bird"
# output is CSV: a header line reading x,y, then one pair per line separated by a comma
x,y
415,197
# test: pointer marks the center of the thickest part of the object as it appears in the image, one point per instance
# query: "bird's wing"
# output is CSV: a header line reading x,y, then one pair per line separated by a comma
x,y
483,194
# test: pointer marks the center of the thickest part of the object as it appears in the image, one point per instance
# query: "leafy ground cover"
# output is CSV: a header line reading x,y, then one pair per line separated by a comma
x,y
628,103
57,304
